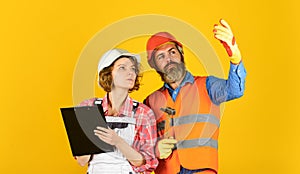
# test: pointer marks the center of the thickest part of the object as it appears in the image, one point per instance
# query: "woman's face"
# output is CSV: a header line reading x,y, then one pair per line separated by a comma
x,y
124,73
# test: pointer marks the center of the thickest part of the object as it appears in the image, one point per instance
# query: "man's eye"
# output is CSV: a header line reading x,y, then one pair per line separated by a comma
x,y
173,52
159,57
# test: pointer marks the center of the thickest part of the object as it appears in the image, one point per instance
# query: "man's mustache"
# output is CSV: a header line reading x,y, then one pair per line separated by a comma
x,y
170,63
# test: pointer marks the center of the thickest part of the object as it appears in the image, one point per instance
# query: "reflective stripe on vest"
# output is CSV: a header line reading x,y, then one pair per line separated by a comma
x,y
195,118
208,142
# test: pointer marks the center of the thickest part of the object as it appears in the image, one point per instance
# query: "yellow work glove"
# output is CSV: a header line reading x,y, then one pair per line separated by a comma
x,y
224,34
164,147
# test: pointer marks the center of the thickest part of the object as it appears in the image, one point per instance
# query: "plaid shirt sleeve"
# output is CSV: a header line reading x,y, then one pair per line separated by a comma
x,y
88,102
145,138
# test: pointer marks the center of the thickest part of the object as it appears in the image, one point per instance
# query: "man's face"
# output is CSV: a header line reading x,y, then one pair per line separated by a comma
x,y
167,59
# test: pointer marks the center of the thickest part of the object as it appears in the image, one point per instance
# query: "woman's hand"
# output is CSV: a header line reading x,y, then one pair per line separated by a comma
x,y
109,136
83,160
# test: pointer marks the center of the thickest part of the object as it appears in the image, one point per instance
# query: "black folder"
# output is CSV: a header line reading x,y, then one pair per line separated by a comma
x,y
80,123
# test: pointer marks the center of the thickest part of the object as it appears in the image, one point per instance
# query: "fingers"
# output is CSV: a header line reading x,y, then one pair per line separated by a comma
x,y
107,140
224,37
225,24
167,146
168,141
218,31
104,134
223,34
102,131
165,155
103,128
221,28
165,150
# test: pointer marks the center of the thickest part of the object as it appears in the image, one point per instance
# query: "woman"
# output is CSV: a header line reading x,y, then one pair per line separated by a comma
x,y
132,128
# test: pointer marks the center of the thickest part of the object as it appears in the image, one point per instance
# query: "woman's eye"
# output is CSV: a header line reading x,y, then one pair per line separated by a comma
x,y
122,67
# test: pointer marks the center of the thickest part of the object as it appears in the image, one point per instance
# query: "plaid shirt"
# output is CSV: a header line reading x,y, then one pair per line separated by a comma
x,y
146,135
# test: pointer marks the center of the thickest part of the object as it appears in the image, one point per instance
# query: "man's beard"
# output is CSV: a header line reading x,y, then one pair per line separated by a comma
x,y
173,74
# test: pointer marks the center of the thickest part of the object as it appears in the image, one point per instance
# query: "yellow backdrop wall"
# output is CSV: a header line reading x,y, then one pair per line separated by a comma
x,y
41,42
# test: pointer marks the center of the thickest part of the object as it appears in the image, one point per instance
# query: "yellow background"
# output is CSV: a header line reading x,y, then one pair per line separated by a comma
x,y
42,40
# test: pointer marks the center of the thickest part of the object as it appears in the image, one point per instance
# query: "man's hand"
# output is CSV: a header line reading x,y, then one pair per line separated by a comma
x,y
164,147
224,34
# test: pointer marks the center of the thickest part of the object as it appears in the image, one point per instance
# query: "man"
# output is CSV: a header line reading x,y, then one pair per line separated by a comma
x,y
187,107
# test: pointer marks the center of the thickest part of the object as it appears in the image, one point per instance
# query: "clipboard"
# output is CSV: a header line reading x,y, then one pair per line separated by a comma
x,y
80,123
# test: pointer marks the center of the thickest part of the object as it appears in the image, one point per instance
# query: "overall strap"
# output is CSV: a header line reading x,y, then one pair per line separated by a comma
x,y
134,107
98,102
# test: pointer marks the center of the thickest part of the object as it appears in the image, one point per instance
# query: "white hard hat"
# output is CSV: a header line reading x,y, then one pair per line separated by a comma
x,y
110,56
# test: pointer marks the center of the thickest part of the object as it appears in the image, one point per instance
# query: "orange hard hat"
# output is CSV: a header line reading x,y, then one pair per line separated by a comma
x,y
157,40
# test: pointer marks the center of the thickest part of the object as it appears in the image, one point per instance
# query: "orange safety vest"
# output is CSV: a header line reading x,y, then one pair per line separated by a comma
x,y
195,126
